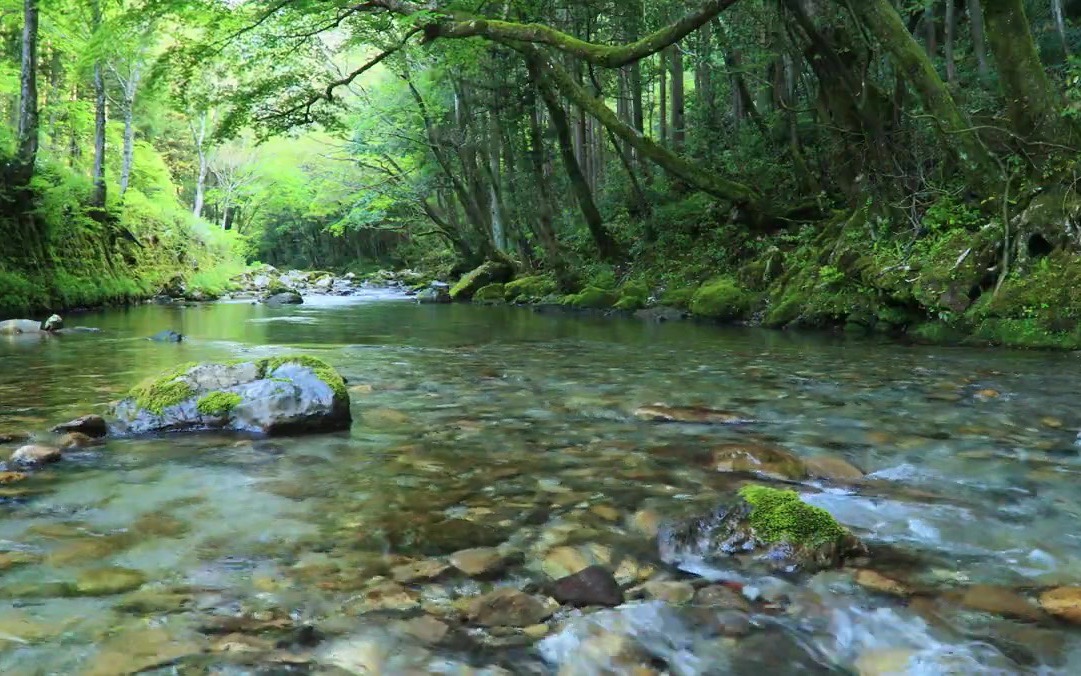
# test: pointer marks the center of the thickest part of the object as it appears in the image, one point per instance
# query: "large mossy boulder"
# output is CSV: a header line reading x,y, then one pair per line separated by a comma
x,y
530,289
592,298
277,395
722,298
491,272
489,295
768,525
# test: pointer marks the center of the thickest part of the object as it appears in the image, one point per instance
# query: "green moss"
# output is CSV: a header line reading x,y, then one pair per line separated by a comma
x,y
780,516
678,297
218,403
722,298
493,293
593,298
491,272
633,296
937,333
158,394
1024,333
320,368
529,289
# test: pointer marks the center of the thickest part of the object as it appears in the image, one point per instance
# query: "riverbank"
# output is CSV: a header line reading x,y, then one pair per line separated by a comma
x,y
947,283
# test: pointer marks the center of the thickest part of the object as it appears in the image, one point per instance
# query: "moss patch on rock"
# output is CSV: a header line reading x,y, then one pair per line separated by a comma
x,y
158,394
491,272
633,296
678,297
592,298
320,368
781,516
722,298
529,289
218,403
491,294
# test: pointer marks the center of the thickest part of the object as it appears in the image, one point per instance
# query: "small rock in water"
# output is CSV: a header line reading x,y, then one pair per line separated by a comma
x,y
1063,602
419,571
108,581
90,425
34,455
592,586
1053,423
77,440
508,608
832,469
9,437
647,522
875,581
479,561
988,394
53,323
12,477
563,561
663,590
720,596
766,460
425,629
167,337
884,662
1001,601
688,414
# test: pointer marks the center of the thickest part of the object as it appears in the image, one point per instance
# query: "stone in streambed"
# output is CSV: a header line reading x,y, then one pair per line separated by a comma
x,y
669,591
285,298
718,596
35,455
688,414
419,571
832,469
877,582
16,327
90,425
1063,602
1001,601
272,395
478,561
77,440
765,460
592,586
508,608
166,337
107,581
12,477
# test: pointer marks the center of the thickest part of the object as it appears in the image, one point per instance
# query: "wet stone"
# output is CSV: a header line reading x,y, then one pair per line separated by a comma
x,y
107,581
479,561
720,597
764,460
419,571
1001,601
672,592
1063,602
77,440
91,425
508,608
35,455
877,582
425,629
689,414
592,586
832,469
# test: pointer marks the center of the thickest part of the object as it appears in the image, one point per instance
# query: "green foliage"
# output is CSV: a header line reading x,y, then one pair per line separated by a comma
x,y
218,403
948,213
781,516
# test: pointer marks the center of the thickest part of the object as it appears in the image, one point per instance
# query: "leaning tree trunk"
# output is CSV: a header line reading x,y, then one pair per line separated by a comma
x,y
28,95
1031,103
882,20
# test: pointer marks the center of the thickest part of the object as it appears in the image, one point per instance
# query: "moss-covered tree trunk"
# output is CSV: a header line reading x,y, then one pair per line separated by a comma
x,y
28,95
882,20
1032,104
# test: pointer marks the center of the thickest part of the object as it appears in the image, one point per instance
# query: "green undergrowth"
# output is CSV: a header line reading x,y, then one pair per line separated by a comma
x,y
781,516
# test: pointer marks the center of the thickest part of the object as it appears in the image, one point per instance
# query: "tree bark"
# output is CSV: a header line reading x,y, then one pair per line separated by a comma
x,y
951,29
1032,105
1060,25
131,85
975,20
98,197
883,21
663,74
679,119
199,135
28,95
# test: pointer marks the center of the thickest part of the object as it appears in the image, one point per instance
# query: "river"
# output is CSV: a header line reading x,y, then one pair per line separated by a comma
x,y
512,428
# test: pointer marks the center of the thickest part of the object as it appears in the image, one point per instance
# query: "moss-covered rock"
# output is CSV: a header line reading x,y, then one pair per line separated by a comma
x,y
592,298
270,395
490,295
722,298
491,272
529,289
774,526
678,297
633,296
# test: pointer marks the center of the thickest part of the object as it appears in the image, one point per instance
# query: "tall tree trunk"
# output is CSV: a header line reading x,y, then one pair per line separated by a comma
x,y
929,29
1032,105
663,73
603,240
951,29
199,135
28,95
975,20
130,88
679,121
98,198
1060,25
883,21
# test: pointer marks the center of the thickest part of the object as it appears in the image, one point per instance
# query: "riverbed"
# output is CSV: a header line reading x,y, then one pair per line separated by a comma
x,y
511,429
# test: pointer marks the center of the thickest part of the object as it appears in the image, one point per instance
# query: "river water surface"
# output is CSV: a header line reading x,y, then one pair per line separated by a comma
x,y
503,427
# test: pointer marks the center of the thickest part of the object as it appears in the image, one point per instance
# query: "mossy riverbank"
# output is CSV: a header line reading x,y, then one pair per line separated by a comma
x,y
957,279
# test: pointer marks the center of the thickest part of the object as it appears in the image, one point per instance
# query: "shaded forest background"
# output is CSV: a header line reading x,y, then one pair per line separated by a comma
x,y
877,164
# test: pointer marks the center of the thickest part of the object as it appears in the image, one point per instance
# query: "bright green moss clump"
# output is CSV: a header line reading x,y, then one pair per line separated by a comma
x,y
780,516
633,296
492,272
678,297
158,394
526,289
322,370
592,298
493,293
218,403
721,298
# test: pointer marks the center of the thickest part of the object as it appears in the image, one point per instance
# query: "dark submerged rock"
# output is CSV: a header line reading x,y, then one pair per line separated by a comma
x,y
592,586
167,337
285,298
90,425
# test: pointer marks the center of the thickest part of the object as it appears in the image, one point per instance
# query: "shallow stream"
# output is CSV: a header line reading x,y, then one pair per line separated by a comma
x,y
509,428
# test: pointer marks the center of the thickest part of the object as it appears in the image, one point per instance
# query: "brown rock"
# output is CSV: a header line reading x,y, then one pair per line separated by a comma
x,y
34,455
425,629
479,561
720,597
90,425
1063,602
592,586
12,477
646,522
832,469
667,591
508,608
419,571
988,394
755,458
688,414
1001,601
878,582
14,437
77,440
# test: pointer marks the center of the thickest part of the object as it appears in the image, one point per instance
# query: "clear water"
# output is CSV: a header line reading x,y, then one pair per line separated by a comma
x,y
519,423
